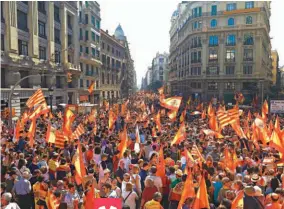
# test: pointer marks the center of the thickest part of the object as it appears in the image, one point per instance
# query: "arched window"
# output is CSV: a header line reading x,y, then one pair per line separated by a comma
x,y
213,23
248,20
231,21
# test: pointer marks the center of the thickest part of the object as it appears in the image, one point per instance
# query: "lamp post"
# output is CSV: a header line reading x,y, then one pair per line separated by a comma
x,y
50,90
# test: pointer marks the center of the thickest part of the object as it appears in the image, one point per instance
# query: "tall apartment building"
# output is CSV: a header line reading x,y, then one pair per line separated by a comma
x,y
39,38
160,67
275,66
117,66
218,48
90,55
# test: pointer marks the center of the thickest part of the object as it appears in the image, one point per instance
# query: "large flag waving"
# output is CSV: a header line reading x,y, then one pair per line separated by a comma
x,y
31,133
180,135
78,132
158,121
68,119
201,200
79,165
111,120
35,99
123,142
171,103
188,190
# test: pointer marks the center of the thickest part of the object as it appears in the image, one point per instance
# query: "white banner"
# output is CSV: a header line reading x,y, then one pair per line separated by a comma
x,y
276,106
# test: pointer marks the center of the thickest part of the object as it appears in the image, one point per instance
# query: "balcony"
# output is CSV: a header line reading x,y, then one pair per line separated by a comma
x,y
213,45
196,61
212,73
231,44
232,60
196,46
72,67
213,60
248,59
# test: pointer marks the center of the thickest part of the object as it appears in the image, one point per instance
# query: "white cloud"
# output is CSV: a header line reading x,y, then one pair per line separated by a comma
x,y
146,24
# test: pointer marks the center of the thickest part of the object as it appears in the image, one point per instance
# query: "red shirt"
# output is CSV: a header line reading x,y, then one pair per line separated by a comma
x,y
148,193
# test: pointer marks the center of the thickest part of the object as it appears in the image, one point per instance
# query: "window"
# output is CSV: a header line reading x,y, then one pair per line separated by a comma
x,y
41,29
87,4
2,12
108,48
231,40
213,55
212,71
93,36
230,55
213,40
248,55
103,45
57,57
249,20
22,19
231,21
230,86
230,70
56,13
69,22
41,6
212,86
93,20
23,47
87,50
81,48
97,38
86,19
161,60
103,78
57,36
195,71
231,6
197,24
213,23
197,12
248,39
98,24
92,70
2,42
196,57
42,53
249,4
87,69
214,10
81,34
69,40
94,52
88,83
86,35
247,70
196,42
81,83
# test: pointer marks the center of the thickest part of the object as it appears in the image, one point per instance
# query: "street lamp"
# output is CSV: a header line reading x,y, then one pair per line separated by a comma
x,y
50,90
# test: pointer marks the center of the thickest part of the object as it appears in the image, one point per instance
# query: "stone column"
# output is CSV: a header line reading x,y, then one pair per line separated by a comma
x,y
50,25
75,41
64,35
11,26
33,29
221,55
239,55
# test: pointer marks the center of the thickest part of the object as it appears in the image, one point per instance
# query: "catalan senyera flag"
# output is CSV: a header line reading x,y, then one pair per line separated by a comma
x,y
230,160
52,201
78,132
161,166
31,133
112,119
41,109
79,165
195,151
35,99
180,135
172,115
123,142
171,103
17,130
188,190
91,87
161,90
60,139
68,119
201,200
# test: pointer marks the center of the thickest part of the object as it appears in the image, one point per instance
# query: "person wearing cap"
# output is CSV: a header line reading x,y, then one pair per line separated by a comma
x,y
178,173
155,202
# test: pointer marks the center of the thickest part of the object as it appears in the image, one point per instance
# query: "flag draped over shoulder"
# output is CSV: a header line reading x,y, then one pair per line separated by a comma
x,y
201,200
171,103
52,201
180,135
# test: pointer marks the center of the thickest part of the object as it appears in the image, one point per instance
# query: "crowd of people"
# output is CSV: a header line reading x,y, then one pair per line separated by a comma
x,y
150,173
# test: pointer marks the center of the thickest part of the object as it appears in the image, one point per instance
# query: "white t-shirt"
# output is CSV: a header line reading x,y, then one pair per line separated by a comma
x,y
130,201
127,162
12,205
157,181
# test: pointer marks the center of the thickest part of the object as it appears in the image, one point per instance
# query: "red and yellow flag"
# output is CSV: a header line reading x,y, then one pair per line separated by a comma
x,y
171,103
180,135
78,132
112,119
182,117
264,108
79,165
201,200
161,166
50,135
213,124
31,133
161,90
172,115
158,121
123,142
238,201
188,190
276,143
210,111
52,201
91,87
35,99
68,119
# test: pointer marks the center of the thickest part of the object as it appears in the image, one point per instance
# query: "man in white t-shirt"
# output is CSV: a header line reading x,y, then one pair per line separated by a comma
x,y
6,202
156,179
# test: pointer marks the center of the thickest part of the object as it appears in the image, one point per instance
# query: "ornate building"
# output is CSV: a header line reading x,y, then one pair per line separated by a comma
x,y
39,38
218,48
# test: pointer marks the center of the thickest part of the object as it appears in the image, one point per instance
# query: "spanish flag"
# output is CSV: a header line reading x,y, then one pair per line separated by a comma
x,y
68,119
158,121
172,115
201,200
52,201
210,111
180,135
91,87
79,165
161,166
112,119
277,143
171,103
182,117
50,135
